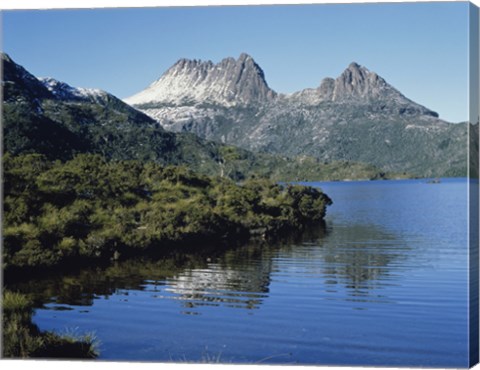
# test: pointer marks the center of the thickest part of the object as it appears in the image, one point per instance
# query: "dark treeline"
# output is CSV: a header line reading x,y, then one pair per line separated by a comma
x,y
88,208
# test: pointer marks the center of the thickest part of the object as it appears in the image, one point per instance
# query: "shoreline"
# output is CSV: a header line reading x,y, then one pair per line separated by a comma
x,y
349,181
90,209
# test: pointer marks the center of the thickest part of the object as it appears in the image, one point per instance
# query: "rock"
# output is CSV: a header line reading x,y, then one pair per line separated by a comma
x,y
231,82
357,116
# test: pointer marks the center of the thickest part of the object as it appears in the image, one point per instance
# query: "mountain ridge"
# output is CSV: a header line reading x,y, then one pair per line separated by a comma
x,y
355,83
64,91
54,119
230,82
356,116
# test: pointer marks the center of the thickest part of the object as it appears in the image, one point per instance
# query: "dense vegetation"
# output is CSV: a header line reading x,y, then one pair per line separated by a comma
x,y
64,129
89,208
23,339
37,121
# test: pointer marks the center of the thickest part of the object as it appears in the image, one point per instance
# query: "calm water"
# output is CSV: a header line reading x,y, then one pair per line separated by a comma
x,y
383,283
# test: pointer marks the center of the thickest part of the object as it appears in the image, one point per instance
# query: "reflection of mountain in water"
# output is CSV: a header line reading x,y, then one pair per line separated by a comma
x,y
83,287
242,288
362,258
241,277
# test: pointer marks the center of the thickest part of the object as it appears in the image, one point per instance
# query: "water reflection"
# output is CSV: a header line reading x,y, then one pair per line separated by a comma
x,y
83,287
363,258
384,282
241,277
238,288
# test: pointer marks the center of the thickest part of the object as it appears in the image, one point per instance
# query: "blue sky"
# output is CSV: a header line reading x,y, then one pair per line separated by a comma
x,y
420,48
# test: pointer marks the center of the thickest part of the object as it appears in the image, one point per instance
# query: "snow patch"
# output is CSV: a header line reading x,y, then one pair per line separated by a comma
x,y
62,90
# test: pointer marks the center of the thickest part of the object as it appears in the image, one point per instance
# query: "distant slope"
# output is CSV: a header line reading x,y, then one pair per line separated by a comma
x,y
42,117
52,118
356,117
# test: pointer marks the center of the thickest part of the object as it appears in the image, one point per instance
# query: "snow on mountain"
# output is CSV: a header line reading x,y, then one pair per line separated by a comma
x,y
229,83
62,90
356,116
242,82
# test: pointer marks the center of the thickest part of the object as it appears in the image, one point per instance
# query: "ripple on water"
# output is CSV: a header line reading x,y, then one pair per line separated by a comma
x,y
384,283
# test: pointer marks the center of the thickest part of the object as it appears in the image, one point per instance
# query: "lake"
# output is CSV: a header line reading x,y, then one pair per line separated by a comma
x,y
383,282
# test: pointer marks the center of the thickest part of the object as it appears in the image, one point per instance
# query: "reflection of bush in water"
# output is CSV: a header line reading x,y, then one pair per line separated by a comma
x,y
245,268
241,275
22,339
197,277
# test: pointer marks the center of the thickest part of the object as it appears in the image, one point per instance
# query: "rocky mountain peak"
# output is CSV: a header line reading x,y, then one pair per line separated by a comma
x,y
358,82
244,56
354,66
355,83
231,82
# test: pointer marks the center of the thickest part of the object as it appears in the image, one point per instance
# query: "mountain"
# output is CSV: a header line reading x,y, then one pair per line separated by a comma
x,y
358,85
57,120
357,116
229,83
63,91
19,85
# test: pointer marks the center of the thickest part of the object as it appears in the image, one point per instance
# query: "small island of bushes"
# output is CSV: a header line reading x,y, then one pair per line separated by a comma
x,y
88,208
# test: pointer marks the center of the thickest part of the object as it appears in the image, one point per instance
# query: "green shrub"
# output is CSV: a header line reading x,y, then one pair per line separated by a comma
x,y
12,302
92,208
